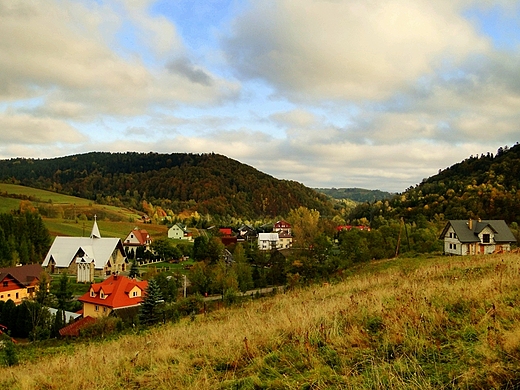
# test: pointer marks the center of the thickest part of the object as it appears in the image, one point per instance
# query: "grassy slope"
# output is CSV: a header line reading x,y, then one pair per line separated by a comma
x,y
445,322
123,219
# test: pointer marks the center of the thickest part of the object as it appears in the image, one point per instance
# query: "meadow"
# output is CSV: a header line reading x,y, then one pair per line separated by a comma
x,y
421,323
73,215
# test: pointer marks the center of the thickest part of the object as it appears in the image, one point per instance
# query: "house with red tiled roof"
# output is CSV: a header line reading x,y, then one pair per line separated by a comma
x,y
19,283
138,237
282,226
115,292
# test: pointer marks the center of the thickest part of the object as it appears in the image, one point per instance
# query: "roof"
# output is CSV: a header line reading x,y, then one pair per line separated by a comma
x,y
95,230
464,234
116,289
282,224
141,235
268,237
68,314
74,328
64,249
25,274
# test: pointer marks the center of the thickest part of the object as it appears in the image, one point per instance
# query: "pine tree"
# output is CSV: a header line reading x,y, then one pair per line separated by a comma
x,y
152,302
134,270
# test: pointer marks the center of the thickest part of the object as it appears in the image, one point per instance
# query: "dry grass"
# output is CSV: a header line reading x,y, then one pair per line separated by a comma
x,y
450,323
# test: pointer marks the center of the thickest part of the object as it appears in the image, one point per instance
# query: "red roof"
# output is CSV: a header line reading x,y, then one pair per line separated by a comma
x,y
226,231
141,235
74,328
282,225
116,291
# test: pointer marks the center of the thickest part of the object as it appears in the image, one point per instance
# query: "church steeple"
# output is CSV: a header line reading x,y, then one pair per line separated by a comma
x,y
95,230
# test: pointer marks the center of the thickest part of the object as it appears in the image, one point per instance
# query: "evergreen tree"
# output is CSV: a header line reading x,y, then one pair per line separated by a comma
x,y
63,293
134,270
152,302
59,322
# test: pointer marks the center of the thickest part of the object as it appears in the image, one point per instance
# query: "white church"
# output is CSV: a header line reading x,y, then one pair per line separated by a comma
x,y
86,257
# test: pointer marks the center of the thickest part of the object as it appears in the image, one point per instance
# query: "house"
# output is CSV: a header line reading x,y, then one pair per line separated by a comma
x,y
114,293
284,231
285,240
179,232
19,283
86,257
282,226
268,241
138,237
246,233
472,237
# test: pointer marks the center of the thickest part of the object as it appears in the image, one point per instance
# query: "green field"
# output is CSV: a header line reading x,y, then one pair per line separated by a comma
x,y
75,214
42,195
8,204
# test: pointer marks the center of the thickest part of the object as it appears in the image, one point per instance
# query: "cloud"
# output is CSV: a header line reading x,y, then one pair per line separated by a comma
x,y
27,130
347,50
75,58
185,67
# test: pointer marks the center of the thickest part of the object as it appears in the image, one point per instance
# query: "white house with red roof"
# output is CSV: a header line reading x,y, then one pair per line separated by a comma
x,y
138,237
115,292
282,226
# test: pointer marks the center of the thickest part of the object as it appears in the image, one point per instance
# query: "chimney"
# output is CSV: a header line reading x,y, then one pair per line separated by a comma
x,y
470,224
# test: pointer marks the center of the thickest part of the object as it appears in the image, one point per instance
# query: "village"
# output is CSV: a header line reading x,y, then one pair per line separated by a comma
x,y
109,268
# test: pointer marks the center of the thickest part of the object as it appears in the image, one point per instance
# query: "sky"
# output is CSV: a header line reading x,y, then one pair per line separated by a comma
x,y
376,94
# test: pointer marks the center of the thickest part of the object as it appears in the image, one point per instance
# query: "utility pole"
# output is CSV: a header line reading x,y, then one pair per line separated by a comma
x,y
184,284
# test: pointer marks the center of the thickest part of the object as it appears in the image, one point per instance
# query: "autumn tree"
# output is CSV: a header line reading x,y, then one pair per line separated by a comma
x,y
305,226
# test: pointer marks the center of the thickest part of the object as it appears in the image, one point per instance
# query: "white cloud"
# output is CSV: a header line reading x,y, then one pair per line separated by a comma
x,y
27,130
63,52
345,49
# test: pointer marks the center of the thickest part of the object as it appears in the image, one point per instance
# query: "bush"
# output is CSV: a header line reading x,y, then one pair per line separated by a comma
x,y
9,354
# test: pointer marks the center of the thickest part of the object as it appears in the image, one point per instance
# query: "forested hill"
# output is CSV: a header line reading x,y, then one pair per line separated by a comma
x,y
207,183
485,186
356,194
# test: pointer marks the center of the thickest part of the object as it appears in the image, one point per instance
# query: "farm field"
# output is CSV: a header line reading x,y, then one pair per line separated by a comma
x,y
419,323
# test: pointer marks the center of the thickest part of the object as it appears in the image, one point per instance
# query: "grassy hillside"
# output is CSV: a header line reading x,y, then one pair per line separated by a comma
x,y
423,323
74,214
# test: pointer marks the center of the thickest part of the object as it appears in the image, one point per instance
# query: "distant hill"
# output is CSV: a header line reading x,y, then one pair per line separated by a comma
x,y
207,183
485,186
355,194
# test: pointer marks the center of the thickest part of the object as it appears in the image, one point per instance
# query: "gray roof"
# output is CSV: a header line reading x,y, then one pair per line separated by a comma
x,y
64,249
464,234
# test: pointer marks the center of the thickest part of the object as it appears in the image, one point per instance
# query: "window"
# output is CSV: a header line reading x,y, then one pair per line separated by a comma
x,y
5,284
454,246
134,294
92,293
96,308
102,295
486,239
17,295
